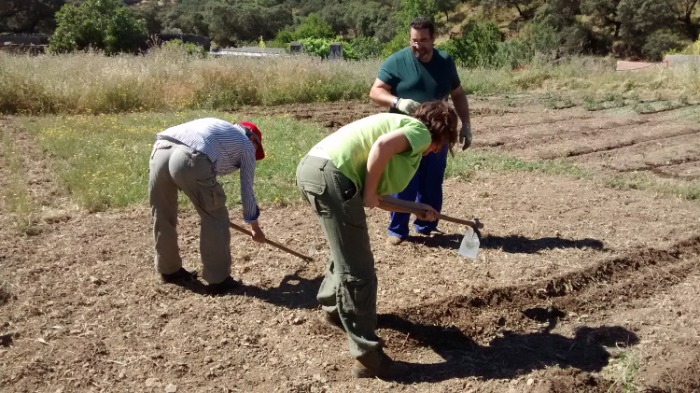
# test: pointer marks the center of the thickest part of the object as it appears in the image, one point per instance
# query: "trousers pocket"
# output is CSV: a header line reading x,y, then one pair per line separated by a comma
x,y
212,195
160,145
357,295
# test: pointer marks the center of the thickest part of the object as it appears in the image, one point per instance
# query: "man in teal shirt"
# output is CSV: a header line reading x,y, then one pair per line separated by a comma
x,y
413,75
347,171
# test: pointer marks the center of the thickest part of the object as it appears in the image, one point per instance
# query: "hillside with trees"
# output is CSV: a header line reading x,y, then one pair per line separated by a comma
x,y
479,32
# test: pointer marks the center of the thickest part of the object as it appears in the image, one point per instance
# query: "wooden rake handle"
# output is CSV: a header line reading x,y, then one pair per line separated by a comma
x,y
397,205
272,243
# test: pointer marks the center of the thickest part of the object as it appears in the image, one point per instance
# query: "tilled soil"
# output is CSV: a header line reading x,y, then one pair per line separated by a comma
x,y
577,286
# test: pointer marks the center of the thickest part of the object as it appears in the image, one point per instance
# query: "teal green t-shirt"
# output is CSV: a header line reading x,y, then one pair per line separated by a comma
x,y
348,149
422,82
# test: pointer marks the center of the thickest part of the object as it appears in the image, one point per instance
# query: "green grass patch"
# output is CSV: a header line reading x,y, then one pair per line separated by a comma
x,y
465,165
103,160
640,181
17,198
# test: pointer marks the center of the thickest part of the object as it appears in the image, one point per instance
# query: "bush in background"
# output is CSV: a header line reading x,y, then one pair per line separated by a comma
x,y
97,24
187,47
477,47
661,42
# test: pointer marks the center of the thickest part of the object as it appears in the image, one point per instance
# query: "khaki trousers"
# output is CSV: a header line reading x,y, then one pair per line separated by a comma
x,y
174,167
350,283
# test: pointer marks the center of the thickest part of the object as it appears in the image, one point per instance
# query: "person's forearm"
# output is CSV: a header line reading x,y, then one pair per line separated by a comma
x,y
376,162
382,97
461,105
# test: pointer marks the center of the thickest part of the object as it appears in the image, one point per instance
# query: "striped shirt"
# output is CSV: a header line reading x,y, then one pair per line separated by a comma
x,y
228,149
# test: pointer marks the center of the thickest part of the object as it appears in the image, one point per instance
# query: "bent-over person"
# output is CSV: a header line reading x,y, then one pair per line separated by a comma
x,y
344,173
188,158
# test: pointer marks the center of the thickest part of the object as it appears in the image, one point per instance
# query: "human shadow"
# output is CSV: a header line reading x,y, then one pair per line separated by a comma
x,y
518,244
511,244
437,240
294,291
510,354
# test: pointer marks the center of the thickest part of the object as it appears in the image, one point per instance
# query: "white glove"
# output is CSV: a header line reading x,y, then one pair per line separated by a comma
x,y
465,135
407,106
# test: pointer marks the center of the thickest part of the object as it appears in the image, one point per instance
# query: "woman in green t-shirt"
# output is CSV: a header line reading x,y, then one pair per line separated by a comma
x,y
344,173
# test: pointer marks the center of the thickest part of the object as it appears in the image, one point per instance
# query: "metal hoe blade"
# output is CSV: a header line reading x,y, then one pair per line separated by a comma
x,y
470,244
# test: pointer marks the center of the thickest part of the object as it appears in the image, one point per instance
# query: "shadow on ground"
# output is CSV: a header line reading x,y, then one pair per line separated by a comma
x,y
511,244
294,291
520,244
510,355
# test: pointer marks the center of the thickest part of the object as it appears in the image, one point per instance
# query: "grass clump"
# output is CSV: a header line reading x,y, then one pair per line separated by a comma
x,y
638,181
169,79
102,160
465,165
625,369
15,193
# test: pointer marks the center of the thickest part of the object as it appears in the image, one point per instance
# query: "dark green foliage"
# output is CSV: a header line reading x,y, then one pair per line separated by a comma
x,y
370,19
477,47
625,28
152,14
97,24
190,48
230,22
321,47
365,47
28,16
186,16
313,27
661,42
639,19
445,7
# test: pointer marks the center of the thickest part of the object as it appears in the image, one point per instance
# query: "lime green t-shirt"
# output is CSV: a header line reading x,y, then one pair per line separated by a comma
x,y
348,149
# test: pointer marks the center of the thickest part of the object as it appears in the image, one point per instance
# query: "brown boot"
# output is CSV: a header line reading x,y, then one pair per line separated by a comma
x,y
377,364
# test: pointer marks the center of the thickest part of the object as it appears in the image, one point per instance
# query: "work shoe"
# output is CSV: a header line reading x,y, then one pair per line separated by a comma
x,y
394,240
377,364
333,319
181,276
223,287
425,231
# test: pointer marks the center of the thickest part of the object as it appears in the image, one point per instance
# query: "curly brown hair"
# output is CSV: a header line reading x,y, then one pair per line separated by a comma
x,y
441,120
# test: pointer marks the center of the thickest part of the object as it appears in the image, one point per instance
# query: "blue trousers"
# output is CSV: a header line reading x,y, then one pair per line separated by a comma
x,y
425,187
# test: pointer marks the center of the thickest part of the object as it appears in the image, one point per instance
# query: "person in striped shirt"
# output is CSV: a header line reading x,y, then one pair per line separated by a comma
x,y
189,157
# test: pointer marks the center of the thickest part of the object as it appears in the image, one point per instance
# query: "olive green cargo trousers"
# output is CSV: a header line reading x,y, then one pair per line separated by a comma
x,y
350,283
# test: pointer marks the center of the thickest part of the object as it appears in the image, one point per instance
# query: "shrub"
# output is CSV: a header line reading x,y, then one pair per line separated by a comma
x,y
661,42
476,48
189,48
513,54
100,24
543,39
365,47
691,49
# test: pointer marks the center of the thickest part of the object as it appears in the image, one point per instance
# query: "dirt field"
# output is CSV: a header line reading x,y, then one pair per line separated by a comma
x,y
577,287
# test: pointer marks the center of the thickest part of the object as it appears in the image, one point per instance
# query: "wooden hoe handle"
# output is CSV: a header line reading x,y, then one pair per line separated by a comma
x,y
273,243
397,205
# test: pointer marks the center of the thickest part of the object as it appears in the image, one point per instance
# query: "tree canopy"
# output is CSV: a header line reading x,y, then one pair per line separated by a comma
x,y
98,24
625,28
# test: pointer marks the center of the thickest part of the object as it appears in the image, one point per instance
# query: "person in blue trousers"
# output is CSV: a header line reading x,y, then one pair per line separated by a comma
x,y
416,74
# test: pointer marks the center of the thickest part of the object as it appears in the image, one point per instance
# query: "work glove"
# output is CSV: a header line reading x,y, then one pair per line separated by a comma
x,y
407,105
465,135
